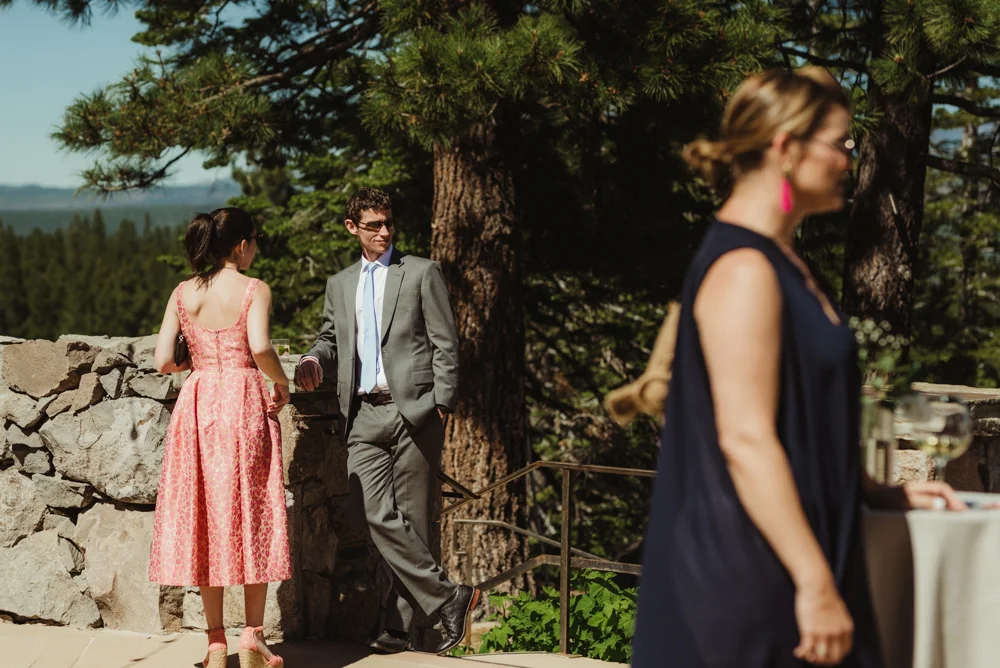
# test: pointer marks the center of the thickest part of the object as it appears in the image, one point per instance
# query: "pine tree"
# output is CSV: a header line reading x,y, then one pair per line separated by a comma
x,y
43,274
78,298
13,310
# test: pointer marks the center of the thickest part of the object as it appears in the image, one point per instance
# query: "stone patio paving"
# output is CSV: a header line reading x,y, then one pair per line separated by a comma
x,y
37,646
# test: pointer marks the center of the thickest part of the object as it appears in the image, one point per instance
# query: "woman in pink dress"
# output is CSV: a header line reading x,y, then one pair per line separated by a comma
x,y
220,508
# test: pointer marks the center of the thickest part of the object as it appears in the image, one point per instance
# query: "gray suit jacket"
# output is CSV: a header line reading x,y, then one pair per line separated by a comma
x,y
419,339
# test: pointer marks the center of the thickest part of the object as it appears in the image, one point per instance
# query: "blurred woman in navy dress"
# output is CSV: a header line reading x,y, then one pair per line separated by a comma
x,y
754,554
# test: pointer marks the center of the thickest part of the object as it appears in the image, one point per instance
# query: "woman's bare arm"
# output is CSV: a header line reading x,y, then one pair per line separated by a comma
x,y
163,357
738,311
259,334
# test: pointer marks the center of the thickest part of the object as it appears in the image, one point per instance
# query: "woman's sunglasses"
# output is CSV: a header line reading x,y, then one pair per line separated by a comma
x,y
846,146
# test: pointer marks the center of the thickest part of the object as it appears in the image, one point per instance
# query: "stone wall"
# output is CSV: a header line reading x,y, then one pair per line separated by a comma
x,y
82,423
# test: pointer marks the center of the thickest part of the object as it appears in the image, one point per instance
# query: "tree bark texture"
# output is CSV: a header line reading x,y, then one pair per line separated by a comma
x,y
888,209
888,213
476,236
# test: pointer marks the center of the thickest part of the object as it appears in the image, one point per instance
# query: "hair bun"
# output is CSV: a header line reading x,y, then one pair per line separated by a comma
x,y
709,158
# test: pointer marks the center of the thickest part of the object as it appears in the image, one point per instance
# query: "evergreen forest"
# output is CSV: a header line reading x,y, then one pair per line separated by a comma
x,y
81,279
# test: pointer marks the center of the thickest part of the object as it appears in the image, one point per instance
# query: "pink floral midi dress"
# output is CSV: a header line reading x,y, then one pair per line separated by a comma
x,y
220,507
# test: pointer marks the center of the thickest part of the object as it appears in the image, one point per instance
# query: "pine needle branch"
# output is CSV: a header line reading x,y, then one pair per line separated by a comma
x,y
309,59
987,70
964,168
948,68
966,104
825,62
137,180
305,47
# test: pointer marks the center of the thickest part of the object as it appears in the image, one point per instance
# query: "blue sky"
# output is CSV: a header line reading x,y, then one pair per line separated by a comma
x,y
45,63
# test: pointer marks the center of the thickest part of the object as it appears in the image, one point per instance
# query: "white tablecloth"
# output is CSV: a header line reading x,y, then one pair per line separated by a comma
x,y
935,582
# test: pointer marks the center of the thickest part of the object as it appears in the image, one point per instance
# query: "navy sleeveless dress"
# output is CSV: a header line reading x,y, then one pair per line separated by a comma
x,y
713,594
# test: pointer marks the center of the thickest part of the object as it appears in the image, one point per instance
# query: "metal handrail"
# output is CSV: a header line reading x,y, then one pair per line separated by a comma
x,y
565,560
524,532
521,472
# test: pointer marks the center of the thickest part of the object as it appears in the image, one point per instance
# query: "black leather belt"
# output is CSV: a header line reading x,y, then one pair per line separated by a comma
x,y
377,399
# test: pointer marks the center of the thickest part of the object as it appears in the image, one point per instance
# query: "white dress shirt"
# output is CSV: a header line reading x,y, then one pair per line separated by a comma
x,y
379,276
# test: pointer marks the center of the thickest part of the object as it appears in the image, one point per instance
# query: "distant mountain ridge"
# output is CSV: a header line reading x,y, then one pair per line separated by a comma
x,y
43,198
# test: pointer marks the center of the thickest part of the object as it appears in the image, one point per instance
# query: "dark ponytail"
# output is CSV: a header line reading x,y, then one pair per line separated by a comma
x,y
211,238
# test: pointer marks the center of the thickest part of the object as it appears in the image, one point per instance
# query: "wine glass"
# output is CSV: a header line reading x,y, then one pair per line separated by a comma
x,y
283,347
937,425
950,430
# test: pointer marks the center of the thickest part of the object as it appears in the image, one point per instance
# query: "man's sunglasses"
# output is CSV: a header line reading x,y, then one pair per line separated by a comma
x,y
376,226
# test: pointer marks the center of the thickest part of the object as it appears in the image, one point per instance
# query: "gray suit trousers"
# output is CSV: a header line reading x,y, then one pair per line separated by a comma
x,y
395,470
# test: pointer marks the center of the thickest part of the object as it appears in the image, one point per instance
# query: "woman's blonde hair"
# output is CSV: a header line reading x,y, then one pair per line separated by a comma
x,y
791,101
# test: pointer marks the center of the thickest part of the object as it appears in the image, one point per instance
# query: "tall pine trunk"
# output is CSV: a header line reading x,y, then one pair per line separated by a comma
x,y
888,213
888,210
476,236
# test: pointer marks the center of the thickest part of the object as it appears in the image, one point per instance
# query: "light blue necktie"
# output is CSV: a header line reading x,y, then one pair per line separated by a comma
x,y
369,347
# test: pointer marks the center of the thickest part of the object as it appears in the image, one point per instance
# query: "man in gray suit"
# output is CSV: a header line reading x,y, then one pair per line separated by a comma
x,y
389,336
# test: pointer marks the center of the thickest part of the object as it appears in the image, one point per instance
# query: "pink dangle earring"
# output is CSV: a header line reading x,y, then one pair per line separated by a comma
x,y
786,190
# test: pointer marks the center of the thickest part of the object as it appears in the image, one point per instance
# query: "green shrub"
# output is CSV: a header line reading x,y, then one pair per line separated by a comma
x,y
601,620
880,356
